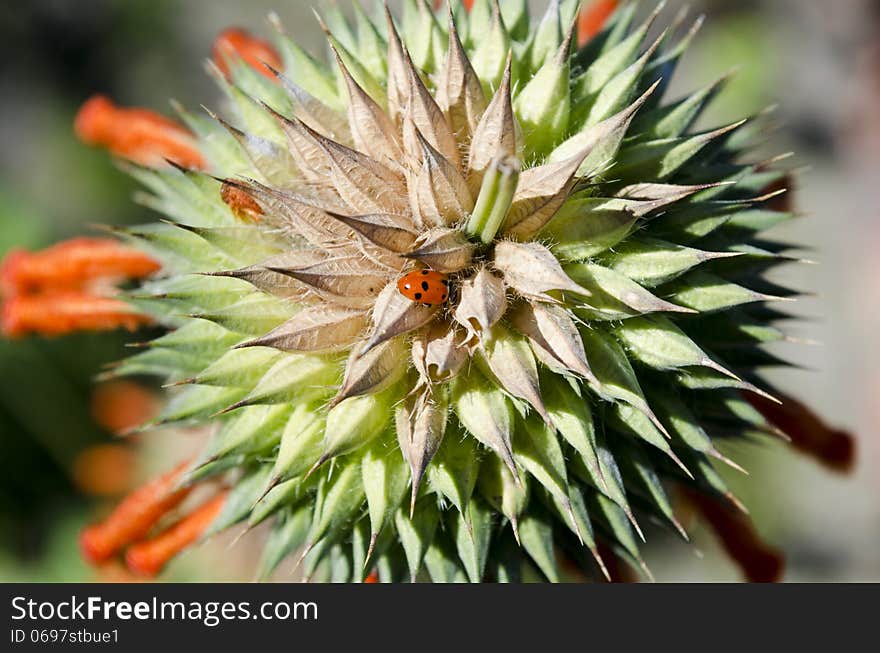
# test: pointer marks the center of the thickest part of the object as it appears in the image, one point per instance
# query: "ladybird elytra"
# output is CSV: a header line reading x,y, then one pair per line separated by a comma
x,y
424,287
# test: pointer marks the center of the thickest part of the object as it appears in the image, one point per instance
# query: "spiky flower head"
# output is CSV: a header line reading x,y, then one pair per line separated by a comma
x,y
466,295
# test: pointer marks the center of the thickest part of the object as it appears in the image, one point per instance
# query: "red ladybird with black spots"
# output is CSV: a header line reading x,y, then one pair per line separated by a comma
x,y
425,287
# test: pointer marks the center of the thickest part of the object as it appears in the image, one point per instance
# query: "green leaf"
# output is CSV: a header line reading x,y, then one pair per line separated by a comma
x,y
340,498
758,219
658,343
708,293
198,403
546,37
571,414
442,562
614,295
617,524
587,226
472,535
490,52
486,413
306,71
498,487
385,477
682,424
357,421
341,568
693,221
359,73
242,368
610,63
701,378
453,471
294,378
619,90
515,14
240,500
543,106
301,443
416,534
288,534
644,478
536,535
199,337
651,262
283,495
247,245
255,315
673,120
601,141
424,39
505,559
160,362
537,450
617,380
658,160
178,248
371,46
637,423
254,429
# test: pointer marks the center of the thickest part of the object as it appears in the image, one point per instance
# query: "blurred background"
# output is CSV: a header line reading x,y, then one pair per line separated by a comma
x,y
61,465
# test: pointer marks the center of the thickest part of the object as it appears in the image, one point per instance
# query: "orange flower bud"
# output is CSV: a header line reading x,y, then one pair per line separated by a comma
x,y
809,434
72,264
237,43
104,470
593,18
62,312
119,406
242,205
149,557
372,578
134,516
760,563
139,135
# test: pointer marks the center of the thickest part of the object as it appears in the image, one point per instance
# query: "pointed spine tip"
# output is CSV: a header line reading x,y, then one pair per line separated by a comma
x,y
306,551
373,538
323,459
273,483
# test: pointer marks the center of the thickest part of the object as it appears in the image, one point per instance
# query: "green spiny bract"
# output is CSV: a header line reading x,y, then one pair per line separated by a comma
x,y
604,266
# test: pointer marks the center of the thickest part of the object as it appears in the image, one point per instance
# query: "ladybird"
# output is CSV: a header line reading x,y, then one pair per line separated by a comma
x,y
425,287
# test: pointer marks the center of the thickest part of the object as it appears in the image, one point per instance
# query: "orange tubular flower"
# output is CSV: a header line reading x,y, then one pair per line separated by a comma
x,y
72,264
593,18
52,292
235,43
104,470
63,312
149,557
373,578
809,434
134,516
139,135
120,406
759,562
